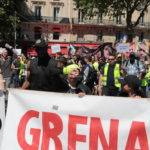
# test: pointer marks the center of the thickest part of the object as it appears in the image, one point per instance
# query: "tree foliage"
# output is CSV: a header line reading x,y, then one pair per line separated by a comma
x,y
9,17
91,8
115,8
130,7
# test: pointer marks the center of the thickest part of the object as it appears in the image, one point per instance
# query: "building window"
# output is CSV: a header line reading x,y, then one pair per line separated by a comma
x,y
118,36
119,19
56,35
38,12
56,13
80,37
37,33
142,20
100,18
100,36
80,15
141,37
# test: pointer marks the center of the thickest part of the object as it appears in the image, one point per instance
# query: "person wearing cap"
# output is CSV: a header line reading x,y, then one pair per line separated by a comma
x,y
71,79
42,72
74,81
131,87
67,69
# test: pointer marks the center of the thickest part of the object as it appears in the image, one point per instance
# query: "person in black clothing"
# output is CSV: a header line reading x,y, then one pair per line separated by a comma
x,y
131,87
61,63
88,72
43,74
101,64
15,72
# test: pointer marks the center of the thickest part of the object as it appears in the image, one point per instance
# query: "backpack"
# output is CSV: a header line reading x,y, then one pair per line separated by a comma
x,y
127,62
92,76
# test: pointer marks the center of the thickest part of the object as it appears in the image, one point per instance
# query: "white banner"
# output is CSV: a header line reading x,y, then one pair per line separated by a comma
x,y
53,121
2,115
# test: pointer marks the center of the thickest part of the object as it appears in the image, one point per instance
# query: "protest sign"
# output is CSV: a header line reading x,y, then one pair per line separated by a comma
x,y
55,48
122,47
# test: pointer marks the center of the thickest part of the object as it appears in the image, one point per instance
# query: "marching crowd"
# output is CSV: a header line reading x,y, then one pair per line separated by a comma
x,y
117,75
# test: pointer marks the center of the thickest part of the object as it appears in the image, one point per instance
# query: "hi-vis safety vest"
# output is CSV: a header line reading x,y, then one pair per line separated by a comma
x,y
144,82
21,67
146,79
116,75
95,65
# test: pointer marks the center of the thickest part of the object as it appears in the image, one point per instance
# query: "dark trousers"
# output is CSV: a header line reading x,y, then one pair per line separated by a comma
x,y
144,91
110,91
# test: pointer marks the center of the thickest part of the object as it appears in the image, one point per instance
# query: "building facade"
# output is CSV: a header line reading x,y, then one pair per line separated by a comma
x,y
60,21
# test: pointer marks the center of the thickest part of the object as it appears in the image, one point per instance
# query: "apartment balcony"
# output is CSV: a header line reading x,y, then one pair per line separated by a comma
x,y
144,25
102,22
98,22
108,22
48,19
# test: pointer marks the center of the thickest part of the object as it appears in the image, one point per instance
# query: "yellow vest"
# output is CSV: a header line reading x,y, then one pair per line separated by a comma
x,y
21,67
148,75
146,79
95,65
116,75
144,82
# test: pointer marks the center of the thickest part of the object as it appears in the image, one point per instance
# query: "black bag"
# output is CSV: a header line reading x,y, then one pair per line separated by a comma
x,y
92,76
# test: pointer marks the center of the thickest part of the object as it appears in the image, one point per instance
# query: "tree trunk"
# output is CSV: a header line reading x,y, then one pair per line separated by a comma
x,y
130,33
129,27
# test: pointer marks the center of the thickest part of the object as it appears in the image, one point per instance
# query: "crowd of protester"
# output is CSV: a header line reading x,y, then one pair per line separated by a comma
x,y
117,75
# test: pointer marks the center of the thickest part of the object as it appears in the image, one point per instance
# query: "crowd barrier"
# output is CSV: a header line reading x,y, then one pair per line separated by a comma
x,y
54,121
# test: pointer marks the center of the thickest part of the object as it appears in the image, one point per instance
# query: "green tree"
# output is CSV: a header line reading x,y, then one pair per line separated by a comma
x,y
9,18
116,8
129,7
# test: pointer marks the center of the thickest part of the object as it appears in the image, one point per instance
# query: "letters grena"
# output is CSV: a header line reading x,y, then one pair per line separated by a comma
x,y
96,133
